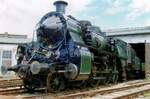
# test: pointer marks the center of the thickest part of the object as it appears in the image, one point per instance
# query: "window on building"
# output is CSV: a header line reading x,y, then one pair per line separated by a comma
x,y
7,54
6,59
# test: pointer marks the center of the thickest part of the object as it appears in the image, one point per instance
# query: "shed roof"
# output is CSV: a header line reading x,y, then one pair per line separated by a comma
x,y
6,38
128,31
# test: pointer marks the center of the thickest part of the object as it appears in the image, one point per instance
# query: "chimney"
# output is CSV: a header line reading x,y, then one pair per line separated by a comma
x,y
60,6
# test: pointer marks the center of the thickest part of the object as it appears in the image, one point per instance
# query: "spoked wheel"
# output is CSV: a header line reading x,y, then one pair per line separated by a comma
x,y
28,86
106,80
55,83
93,82
105,76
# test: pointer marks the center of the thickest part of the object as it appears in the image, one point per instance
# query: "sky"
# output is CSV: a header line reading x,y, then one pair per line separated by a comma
x,y
21,16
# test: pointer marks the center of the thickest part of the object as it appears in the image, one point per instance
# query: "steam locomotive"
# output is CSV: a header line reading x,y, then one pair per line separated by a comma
x,y
69,52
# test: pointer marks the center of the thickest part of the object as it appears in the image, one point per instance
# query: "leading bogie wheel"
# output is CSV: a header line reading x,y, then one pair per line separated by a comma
x,y
54,82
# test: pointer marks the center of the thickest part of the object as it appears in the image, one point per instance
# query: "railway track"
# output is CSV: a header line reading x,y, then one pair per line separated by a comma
x,y
126,94
6,83
103,93
112,92
10,86
11,91
98,92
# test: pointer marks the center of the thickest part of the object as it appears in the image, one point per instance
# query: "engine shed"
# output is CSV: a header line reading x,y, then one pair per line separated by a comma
x,y
8,48
139,38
